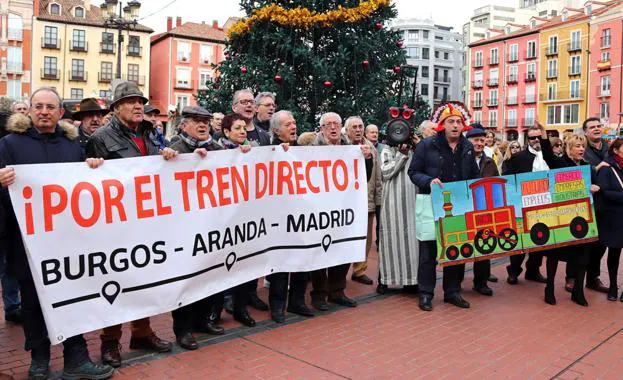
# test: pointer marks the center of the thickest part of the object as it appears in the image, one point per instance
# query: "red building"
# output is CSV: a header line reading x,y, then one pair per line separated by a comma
x,y
181,62
16,49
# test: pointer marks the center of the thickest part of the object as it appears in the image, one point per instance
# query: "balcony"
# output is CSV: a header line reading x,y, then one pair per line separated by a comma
x,y
14,34
138,79
492,103
209,60
183,84
530,54
14,67
574,46
493,82
183,58
477,64
50,43
529,99
104,77
606,42
603,92
493,123
442,79
78,46
551,51
513,57
552,75
476,103
77,76
135,51
561,95
50,74
527,122
530,77
512,78
575,70
511,101
494,61
477,84
108,48
604,65
511,123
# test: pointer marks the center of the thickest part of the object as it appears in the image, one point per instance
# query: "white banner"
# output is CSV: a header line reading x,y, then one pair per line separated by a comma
x,y
142,236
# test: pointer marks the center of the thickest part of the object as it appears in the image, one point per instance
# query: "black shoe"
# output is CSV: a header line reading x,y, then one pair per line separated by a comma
x,y
343,300
537,277
411,289
209,327
256,303
484,290
550,298
512,279
187,341
111,353
277,315
426,303
301,310
363,279
597,286
228,304
151,343
613,293
244,318
14,316
88,370
457,301
320,304
492,278
39,369
577,296
381,289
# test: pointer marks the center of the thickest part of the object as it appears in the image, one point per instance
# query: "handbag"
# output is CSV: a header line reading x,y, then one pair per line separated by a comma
x,y
424,218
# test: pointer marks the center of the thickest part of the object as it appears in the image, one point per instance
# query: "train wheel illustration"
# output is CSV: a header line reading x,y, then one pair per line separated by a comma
x,y
539,233
507,239
452,253
467,250
578,227
485,242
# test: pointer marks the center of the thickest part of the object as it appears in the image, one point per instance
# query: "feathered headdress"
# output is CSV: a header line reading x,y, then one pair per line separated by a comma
x,y
444,111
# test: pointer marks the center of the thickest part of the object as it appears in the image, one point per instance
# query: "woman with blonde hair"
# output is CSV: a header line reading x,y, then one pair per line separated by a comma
x,y
513,147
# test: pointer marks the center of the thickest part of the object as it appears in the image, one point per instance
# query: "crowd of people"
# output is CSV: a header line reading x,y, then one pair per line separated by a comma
x,y
399,179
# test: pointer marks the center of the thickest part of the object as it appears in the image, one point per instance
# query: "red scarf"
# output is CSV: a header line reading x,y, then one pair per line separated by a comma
x,y
618,159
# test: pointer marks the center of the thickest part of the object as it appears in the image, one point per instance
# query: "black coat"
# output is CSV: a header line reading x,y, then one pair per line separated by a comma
x,y
609,215
114,141
24,145
488,168
520,162
430,156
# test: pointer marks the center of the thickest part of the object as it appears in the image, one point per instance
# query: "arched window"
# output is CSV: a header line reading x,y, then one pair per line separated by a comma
x,y
79,12
55,9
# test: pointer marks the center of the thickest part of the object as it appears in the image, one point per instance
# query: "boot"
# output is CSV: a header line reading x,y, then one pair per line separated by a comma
x,y
88,370
550,298
40,363
577,294
613,293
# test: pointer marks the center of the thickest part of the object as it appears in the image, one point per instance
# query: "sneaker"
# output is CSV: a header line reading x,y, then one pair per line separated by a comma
x,y
88,370
14,316
39,369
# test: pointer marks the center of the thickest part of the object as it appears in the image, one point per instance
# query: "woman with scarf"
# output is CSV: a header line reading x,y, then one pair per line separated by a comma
x,y
609,215
577,255
234,132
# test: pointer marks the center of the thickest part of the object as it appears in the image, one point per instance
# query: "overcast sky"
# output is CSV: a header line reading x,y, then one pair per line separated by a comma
x,y
445,12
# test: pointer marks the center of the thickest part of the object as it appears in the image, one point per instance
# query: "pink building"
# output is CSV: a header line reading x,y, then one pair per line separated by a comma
x,y
606,66
505,80
181,62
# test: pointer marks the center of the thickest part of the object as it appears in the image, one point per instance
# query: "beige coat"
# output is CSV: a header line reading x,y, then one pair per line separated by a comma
x,y
375,196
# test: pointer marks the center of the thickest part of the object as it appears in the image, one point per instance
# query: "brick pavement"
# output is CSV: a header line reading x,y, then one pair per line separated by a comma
x,y
514,334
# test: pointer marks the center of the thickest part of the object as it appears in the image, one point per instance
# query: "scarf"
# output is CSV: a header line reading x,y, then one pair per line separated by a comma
x,y
194,143
618,159
539,163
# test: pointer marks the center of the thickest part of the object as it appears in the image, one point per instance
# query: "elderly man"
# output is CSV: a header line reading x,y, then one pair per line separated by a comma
x,y
216,124
151,115
331,282
447,157
40,139
244,105
354,133
265,108
90,115
427,129
372,134
20,107
128,135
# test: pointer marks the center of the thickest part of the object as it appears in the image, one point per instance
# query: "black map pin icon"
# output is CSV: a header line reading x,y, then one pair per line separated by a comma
x,y
326,242
110,291
230,260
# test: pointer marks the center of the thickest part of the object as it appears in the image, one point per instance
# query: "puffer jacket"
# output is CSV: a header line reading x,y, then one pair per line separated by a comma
x,y
114,141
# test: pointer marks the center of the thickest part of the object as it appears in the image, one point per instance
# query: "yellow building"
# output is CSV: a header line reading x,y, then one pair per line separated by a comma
x,y
563,71
74,51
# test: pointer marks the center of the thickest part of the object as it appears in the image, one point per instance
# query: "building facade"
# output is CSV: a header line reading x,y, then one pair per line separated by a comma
x,y
182,62
15,48
77,54
437,52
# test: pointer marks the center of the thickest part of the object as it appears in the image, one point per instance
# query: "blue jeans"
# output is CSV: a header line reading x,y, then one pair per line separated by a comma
x,y
10,288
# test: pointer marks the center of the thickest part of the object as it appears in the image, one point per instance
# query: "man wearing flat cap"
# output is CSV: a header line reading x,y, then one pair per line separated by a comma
x,y
127,135
90,115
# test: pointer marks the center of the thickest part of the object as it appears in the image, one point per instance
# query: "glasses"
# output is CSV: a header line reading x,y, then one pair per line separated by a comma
x,y
515,147
533,138
246,102
557,145
268,105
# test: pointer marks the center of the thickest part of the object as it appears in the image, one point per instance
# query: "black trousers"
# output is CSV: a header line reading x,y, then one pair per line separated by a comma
x,y
329,281
188,318
482,271
533,265
614,257
253,286
596,252
75,352
278,293
427,275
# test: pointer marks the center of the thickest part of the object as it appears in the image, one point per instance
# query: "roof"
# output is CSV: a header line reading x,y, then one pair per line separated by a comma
x,y
94,16
194,31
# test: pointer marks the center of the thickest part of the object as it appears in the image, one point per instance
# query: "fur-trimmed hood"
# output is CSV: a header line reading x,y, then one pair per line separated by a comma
x,y
19,123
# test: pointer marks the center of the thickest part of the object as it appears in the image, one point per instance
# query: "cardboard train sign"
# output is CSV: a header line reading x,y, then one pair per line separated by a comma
x,y
502,216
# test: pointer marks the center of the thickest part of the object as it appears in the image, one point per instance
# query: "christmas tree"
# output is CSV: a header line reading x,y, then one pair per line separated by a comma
x,y
315,55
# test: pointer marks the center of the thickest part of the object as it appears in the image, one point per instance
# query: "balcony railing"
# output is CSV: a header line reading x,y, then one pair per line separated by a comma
x,y
493,123
77,76
108,48
527,122
476,103
442,79
552,74
78,46
603,92
606,42
208,61
50,74
512,79
138,79
530,54
529,99
511,101
14,34
135,51
511,123
551,51
104,77
492,103
477,84
574,46
183,58
604,65
477,64
513,58
561,95
530,77
494,61
48,43
493,82
14,67
575,70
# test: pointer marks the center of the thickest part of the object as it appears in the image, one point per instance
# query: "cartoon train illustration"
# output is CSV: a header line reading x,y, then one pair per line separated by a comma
x,y
493,222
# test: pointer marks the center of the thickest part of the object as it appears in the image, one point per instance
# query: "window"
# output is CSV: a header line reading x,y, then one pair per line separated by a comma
x,y
413,35
576,40
50,37
563,114
512,73
437,54
575,65
493,77
107,94
530,94
512,118
531,68
14,59
478,59
512,96
79,40
79,12
605,85
493,97
412,52
14,88
532,24
514,53
77,93
574,85
204,78
553,45
106,71
182,78
531,52
478,99
424,89
494,56
552,68
425,35
445,93
604,111
493,119
50,67
551,91
425,71
183,51
478,116
206,53
605,56
529,116
446,56
182,101
425,53
55,9
108,44
134,46
606,38
77,69
15,27
133,73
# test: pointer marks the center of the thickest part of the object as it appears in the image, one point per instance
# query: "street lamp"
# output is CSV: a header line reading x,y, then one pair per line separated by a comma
x,y
127,21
